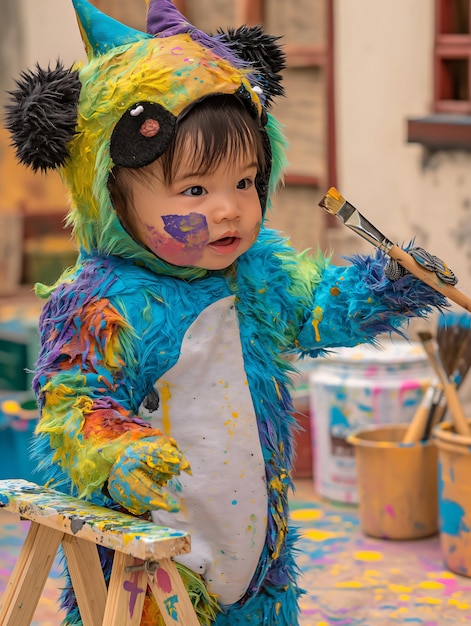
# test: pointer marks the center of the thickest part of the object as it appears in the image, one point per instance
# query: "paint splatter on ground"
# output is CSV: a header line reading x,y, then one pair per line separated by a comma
x,y
354,580
350,579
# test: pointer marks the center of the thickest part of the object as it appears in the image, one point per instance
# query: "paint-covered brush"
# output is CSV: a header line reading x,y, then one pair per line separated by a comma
x,y
449,388
336,204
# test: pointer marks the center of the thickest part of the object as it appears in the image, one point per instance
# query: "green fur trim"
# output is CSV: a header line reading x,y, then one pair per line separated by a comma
x,y
205,603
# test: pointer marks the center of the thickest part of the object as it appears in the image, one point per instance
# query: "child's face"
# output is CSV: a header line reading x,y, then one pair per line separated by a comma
x,y
200,220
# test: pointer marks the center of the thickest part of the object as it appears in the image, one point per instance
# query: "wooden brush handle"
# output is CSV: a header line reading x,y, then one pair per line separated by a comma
x,y
409,263
416,428
454,405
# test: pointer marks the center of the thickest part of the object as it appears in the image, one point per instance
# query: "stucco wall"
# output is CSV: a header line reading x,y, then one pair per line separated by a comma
x,y
383,76
50,31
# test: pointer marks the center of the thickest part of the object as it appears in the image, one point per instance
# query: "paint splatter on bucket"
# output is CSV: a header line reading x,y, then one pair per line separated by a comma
x,y
397,483
352,389
454,488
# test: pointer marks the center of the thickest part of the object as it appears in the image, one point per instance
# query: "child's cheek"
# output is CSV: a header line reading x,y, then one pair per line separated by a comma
x,y
183,241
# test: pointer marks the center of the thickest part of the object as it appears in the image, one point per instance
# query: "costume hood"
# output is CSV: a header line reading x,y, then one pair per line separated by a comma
x,y
123,105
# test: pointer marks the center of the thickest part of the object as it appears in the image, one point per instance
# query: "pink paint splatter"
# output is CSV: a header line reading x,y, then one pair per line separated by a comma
x,y
451,586
163,580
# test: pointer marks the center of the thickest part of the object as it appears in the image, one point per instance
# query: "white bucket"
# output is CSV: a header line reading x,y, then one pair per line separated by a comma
x,y
354,388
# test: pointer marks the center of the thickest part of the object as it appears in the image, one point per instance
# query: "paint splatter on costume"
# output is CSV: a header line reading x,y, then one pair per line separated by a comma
x,y
148,365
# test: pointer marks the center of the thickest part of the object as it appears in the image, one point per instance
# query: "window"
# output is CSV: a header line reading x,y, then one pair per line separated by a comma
x,y
452,57
449,125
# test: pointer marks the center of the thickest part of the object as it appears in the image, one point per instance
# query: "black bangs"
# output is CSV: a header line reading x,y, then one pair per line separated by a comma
x,y
219,128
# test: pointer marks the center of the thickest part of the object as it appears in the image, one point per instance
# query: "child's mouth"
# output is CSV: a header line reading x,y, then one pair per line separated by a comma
x,y
225,245
225,241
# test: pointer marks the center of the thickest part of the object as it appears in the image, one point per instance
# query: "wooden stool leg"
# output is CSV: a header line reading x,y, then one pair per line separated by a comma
x,y
87,578
171,595
126,593
29,576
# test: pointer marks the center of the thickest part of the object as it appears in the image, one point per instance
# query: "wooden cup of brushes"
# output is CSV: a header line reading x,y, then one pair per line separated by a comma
x,y
402,502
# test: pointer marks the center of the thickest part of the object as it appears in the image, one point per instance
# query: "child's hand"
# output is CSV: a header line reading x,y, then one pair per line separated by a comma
x,y
137,479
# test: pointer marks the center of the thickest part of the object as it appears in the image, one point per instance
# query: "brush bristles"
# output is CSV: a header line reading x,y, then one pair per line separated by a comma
x,y
332,201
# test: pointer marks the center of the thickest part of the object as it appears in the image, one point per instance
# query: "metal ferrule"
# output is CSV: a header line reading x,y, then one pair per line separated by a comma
x,y
355,220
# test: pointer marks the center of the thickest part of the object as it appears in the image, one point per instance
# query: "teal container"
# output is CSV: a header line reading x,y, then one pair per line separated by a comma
x,y
18,419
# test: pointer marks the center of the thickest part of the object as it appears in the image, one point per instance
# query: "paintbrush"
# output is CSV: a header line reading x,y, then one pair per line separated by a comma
x,y
449,388
454,342
416,429
336,204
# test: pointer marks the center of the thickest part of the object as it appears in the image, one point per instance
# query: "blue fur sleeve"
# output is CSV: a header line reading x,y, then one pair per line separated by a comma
x,y
354,304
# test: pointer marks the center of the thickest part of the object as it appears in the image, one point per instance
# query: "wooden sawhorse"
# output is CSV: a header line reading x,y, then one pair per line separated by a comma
x,y
143,556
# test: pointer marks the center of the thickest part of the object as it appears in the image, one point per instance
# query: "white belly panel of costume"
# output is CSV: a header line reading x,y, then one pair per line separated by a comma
x,y
206,406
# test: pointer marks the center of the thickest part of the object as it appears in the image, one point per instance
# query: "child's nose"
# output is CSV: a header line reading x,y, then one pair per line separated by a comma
x,y
226,208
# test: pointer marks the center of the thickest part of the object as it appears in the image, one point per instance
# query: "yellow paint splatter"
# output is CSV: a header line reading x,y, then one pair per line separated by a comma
x,y
165,396
464,606
306,515
429,600
431,584
322,624
372,573
404,597
367,555
319,535
317,316
349,584
277,389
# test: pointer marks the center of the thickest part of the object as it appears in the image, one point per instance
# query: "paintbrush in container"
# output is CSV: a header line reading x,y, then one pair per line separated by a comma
x,y
454,342
336,204
449,388
416,429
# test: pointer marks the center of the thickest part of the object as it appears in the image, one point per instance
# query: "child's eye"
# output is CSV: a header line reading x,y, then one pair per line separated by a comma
x,y
196,190
245,183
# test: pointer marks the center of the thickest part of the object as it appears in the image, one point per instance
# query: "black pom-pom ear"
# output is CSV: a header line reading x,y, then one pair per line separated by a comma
x,y
142,135
262,51
42,115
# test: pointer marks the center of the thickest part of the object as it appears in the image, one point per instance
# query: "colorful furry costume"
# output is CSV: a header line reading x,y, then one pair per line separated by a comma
x,y
133,347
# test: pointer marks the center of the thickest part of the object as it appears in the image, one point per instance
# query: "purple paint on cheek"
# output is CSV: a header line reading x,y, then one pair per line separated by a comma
x,y
191,229
171,250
